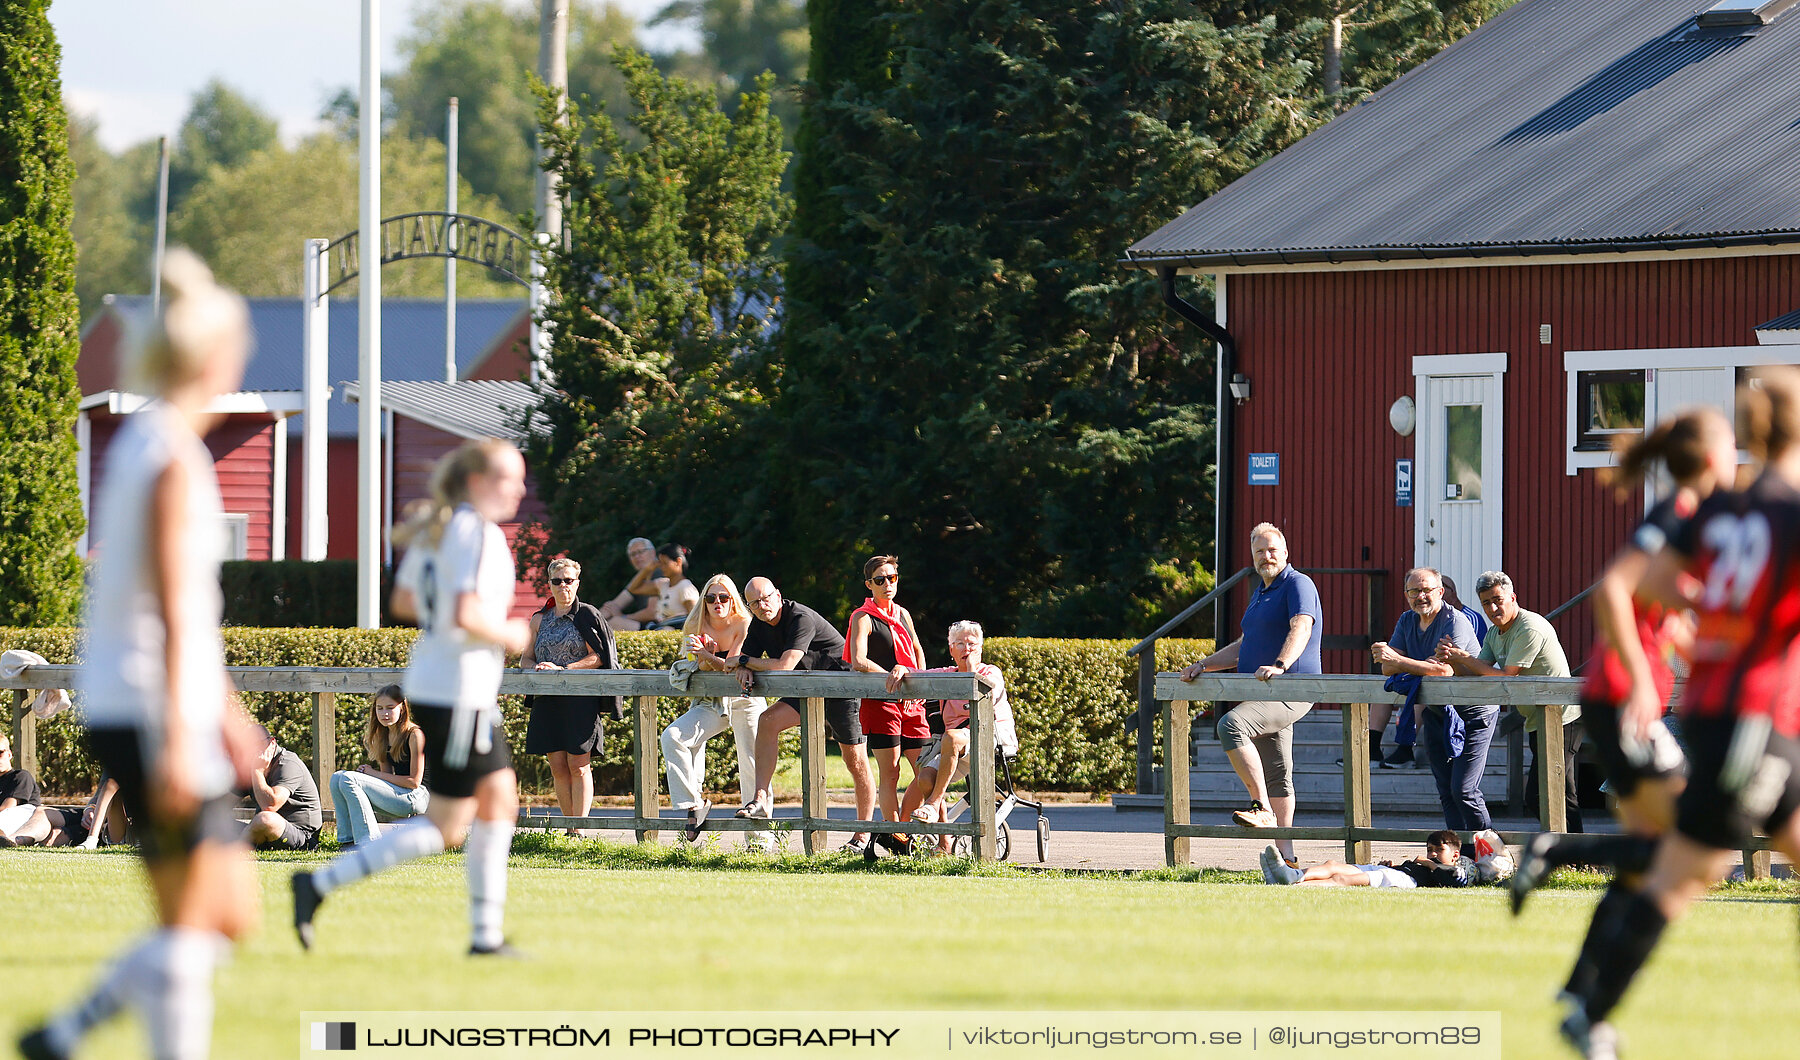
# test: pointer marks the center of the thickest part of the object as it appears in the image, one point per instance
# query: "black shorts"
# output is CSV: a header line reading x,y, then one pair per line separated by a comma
x,y
293,837
1722,811
123,755
878,740
843,718
67,820
458,781
1625,766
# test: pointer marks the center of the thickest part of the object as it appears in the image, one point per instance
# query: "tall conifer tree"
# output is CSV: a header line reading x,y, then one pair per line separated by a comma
x,y
40,507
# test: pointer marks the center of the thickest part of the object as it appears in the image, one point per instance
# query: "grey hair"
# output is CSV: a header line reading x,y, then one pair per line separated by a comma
x,y
1491,578
562,563
1267,530
1433,571
644,541
966,626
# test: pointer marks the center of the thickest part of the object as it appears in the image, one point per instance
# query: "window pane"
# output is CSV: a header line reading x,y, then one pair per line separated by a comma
x,y
1615,406
1462,460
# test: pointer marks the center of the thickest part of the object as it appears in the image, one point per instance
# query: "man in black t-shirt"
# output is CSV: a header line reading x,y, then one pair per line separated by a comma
x,y
790,636
287,801
22,820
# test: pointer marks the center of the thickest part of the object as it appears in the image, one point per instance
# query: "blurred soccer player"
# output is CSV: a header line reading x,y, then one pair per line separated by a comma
x,y
1740,708
159,706
457,581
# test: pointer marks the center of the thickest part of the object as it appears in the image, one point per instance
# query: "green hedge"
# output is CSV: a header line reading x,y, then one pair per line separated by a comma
x,y
292,592
1070,700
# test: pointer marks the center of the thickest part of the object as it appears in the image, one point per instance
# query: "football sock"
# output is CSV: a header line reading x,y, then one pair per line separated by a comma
x,y
121,985
1606,915
1627,854
485,855
417,838
178,1000
1637,927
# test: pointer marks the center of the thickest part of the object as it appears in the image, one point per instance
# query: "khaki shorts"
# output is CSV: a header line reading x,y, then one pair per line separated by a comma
x,y
928,758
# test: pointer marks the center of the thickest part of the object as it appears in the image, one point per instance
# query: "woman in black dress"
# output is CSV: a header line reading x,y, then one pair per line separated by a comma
x,y
567,634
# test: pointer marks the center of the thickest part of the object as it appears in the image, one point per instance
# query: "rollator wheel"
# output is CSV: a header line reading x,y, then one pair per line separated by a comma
x,y
1043,836
1002,842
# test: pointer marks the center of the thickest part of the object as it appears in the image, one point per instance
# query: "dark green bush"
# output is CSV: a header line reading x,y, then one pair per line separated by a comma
x,y
292,592
1070,701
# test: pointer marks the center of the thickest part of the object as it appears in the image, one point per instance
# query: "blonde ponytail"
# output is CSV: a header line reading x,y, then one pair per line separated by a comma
x,y
427,517
200,320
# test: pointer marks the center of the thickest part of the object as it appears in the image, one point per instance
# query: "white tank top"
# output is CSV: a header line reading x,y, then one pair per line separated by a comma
x,y
124,676
449,667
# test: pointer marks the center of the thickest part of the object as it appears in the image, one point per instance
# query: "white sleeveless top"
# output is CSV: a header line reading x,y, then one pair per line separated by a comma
x,y
449,667
125,676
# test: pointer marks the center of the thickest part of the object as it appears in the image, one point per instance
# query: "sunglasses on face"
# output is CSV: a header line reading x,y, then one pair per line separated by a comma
x,y
562,581
884,579
718,598
771,598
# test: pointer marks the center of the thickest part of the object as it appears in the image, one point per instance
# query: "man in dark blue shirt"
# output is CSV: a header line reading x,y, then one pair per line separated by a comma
x,y
1282,629
1456,738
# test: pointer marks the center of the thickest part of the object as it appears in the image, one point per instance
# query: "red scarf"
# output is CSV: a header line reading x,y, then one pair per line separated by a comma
x,y
906,653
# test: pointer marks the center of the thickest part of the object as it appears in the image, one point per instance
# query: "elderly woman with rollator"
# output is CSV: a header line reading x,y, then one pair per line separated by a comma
x,y
1282,630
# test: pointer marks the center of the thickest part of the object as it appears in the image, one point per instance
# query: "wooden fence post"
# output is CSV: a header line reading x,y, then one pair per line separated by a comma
x,y
324,741
812,775
1357,812
1177,773
644,772
1553,810
984,846
24,733
1756,865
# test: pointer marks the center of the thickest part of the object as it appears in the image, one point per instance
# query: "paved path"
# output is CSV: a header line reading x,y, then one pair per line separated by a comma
x,y
1098,836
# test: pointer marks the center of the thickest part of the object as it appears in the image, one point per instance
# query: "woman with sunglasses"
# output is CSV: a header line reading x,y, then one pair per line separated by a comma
x,y
567,634
714,632
676,597
882,641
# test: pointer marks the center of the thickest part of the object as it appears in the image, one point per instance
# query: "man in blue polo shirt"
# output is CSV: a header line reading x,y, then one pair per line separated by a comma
x,y
1456,738
1282,629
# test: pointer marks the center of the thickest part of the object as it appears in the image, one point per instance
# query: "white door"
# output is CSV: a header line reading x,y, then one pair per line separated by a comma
x,y
1458,484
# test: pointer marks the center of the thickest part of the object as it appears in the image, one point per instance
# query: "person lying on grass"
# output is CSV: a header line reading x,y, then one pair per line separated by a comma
x,y
1440,866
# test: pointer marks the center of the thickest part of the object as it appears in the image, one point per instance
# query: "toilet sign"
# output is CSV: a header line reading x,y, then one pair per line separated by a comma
x,y
1403,486
1265,469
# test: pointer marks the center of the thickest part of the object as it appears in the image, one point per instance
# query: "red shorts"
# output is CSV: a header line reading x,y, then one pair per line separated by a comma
x,y
882,717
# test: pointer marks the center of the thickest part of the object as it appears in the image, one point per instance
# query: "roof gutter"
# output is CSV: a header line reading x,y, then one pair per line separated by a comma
x,y
1203,260
1226,412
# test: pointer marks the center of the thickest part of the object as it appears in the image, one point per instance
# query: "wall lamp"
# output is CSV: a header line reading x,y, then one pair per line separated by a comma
x,y
1240,387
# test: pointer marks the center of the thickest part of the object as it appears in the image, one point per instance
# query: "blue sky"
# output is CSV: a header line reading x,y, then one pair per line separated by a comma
x,y
136,64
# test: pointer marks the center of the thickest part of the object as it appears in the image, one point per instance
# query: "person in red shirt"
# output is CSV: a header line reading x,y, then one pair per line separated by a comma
x,y
1737,563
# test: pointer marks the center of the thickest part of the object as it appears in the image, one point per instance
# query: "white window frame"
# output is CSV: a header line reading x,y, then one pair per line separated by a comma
x,y
236,527
1577,361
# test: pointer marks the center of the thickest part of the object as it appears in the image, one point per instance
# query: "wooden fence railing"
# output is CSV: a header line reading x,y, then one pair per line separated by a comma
x,y
642,688
1176,699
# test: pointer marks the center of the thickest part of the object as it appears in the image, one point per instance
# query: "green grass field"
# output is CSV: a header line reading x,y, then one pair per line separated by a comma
x,y
615,928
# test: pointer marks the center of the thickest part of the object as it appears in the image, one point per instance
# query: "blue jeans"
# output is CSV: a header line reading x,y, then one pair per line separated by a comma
x,y
1459,779
357,797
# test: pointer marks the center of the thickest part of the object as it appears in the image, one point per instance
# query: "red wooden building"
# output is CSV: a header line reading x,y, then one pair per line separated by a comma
x,y
257,448
1569,224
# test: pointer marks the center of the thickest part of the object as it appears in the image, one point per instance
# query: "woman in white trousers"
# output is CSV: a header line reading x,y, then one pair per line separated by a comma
x,y
713,633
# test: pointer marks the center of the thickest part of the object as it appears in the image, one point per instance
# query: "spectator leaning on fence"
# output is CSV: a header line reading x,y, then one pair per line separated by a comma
x,y
1456,738
567,634
1522,642
1282,628
882,640
630,610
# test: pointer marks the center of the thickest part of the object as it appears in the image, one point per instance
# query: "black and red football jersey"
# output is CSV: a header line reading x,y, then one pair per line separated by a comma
x,y
1744,547
1607,679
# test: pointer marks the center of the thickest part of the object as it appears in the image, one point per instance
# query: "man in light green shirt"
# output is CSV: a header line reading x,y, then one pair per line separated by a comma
x,y
1522,642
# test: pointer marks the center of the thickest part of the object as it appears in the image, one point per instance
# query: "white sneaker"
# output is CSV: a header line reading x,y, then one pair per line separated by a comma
x,y
1277,871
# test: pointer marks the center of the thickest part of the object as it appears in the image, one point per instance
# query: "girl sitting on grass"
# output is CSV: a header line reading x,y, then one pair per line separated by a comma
x,y
392,781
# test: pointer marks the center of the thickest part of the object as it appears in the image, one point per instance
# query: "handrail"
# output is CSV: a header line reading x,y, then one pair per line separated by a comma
x,y
644,688
1357,691
1552,614
1191,610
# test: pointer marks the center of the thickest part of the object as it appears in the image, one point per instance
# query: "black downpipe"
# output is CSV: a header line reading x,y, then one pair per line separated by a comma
x,y
1226,412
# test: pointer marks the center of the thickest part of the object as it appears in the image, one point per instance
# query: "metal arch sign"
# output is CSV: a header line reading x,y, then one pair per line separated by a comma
x,y
436,235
